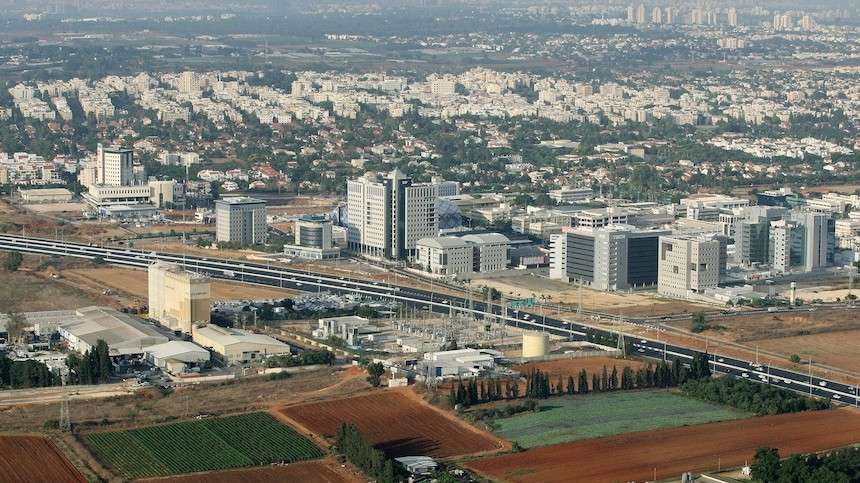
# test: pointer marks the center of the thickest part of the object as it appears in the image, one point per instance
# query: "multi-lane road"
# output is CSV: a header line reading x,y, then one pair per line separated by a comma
x,y
278,276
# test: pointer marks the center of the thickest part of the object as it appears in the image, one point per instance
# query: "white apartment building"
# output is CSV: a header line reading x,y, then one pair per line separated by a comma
x,y
387,216
240,220
687,264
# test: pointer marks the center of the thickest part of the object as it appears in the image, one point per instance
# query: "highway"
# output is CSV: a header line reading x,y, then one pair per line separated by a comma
x,y
255,273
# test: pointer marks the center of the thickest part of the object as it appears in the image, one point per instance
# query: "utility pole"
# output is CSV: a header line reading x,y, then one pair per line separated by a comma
x,y
65,422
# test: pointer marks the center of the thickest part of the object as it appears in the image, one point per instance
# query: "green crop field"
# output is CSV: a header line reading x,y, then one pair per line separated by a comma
x,y
206,445
572,418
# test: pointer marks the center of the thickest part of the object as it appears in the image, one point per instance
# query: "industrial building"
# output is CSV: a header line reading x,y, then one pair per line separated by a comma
x,y
240,220
352,329
387,216
459,363
45,195
125,334
237,346
177,356
178,299
611,258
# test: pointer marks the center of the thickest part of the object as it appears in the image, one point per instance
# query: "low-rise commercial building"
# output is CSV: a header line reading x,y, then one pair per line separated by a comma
x,y
46,195
177,356
452,256
236,346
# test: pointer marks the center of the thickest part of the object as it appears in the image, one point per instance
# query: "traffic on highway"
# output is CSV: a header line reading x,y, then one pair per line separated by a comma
x,y
254,273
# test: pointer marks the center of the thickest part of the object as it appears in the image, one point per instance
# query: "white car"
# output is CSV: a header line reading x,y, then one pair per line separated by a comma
x,y
641,350
822,384
745,375
837,396
721,360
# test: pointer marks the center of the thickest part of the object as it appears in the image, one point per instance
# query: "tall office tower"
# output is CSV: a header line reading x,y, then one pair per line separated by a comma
x,y
114,166
640,14
819,239
386,216
178,299
786,245
733,17
631,14
240,220
670,15
697,16
617,257
806,23
687,264
657,15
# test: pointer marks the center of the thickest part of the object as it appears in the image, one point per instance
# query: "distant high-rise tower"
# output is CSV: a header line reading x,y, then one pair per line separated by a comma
x,y
670,15
631,14
806,23
657,15
733,17
114,166
640,14
697,16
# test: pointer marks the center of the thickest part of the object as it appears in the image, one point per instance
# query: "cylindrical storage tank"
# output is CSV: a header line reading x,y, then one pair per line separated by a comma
x,y
535,344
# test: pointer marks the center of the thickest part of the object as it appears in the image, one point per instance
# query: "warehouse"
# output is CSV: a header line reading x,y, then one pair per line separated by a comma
x,y
126,335
236,346
177,356
46,195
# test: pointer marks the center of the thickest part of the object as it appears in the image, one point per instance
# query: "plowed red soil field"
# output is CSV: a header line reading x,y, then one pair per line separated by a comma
x,y
308,471
397,422
26,459
635,456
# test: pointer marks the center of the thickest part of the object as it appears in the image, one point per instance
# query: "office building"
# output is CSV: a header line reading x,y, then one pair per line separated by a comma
x,y
240,220
640,14
613,258
570,194
388,215
313,239
657,15
688,265
178,299
114,166
751,233
817,239
453,256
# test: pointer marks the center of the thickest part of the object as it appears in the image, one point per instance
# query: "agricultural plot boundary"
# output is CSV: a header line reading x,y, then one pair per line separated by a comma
x,y
195,446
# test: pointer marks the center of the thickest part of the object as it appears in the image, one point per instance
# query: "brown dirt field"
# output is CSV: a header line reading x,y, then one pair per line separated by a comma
x,y
134,283
634,456
34,458
825,336
640,304
397,422
322,471
592,365
27,292
837,349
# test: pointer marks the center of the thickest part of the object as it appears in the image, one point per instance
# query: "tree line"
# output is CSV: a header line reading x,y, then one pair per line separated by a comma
x,y
762,399
371,461
540,384
94,367
25,374
304,358
842,465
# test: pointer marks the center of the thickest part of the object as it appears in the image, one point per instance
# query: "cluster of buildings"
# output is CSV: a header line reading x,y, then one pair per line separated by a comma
x,y
117,187
707,240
